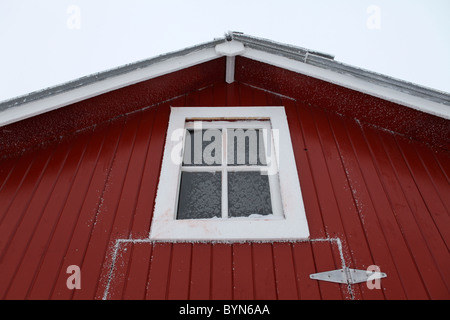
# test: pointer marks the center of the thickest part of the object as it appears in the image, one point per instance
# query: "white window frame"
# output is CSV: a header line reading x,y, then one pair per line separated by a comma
x,y
290,226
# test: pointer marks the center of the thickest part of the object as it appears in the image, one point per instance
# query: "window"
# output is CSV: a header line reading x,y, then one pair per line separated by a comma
x,y
228,174
226,171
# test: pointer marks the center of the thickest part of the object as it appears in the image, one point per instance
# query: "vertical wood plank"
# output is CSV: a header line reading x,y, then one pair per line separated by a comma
x,y
263,270
242,272
138,271
222,272
180,271
159,273
200,285
284,272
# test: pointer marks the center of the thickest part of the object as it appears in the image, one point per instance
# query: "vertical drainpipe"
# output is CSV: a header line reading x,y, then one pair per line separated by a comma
x,y
230,48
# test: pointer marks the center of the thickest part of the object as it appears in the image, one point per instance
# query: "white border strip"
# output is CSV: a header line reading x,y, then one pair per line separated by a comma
x,y
351,82
56,101
115,254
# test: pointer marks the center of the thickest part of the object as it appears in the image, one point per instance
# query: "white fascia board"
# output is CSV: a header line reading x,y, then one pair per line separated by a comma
x,y
230,48
56,101
351,82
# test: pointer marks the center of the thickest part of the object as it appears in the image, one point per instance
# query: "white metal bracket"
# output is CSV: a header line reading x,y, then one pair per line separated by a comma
x,y
230,49
348,276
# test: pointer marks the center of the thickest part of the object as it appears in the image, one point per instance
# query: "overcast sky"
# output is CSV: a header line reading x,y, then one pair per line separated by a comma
x,y
48,42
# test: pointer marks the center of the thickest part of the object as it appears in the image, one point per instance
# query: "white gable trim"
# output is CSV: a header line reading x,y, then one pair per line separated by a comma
x,y
350,82
229,49
57,101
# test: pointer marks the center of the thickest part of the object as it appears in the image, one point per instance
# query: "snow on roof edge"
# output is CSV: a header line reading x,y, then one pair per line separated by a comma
x,y
311,57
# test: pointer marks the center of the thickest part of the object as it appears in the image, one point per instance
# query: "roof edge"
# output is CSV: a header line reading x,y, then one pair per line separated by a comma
x,y
102,75
298,53
326,61
306,57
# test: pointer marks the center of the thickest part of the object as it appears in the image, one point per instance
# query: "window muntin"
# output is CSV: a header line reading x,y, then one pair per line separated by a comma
x,y
238,153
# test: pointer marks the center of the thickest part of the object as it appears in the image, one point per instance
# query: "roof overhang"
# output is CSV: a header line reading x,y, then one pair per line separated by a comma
x,y
90,86
311,63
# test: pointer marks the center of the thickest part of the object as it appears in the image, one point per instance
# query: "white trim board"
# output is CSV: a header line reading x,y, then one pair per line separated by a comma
x,y
57,101
351,82
165,227
119,246
230,50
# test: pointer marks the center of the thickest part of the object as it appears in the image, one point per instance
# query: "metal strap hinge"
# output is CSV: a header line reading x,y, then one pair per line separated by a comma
x,y
348,276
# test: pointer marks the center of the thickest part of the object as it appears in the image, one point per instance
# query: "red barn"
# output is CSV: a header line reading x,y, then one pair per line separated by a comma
x,y
96,204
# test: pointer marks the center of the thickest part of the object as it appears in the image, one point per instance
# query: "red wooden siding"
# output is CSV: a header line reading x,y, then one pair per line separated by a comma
x,y
381,196
321,94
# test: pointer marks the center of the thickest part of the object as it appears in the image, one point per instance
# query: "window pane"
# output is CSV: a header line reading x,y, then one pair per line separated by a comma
x,y
246,147
203,148
200,195
248,193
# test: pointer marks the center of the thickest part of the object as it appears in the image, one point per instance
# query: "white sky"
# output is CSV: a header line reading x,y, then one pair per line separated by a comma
x,y
41,46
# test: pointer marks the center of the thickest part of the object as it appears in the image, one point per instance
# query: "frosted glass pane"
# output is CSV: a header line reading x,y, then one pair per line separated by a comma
x,y
245,147
200,195
248,193
203,148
